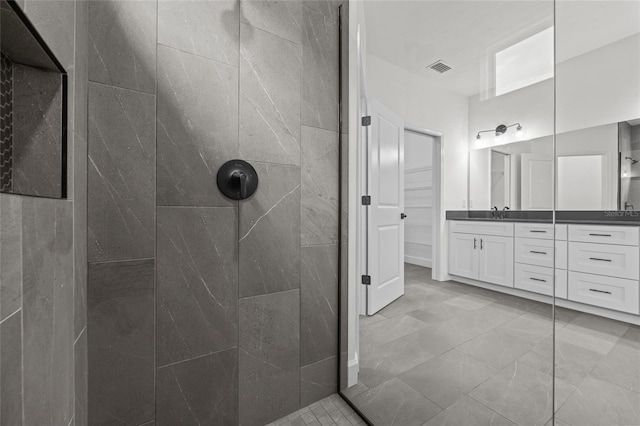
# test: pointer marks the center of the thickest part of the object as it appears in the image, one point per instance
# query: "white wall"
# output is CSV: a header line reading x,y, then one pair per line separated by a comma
x,y
424,104
596,88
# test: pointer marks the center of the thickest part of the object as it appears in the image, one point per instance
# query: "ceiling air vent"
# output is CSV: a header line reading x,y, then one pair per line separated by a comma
x,y
439,66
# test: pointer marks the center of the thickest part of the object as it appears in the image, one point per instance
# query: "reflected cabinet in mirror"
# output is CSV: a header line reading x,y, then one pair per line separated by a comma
x,y
32,110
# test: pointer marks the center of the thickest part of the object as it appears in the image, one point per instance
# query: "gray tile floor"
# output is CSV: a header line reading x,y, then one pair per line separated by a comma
x,y
331,411
452,354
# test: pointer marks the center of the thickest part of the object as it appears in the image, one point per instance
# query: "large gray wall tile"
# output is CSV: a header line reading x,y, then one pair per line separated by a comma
x,y
122,43
121,174
197,127
328,8
269,97
47,310
81,380
197,282
37,129
269,357
205,28
320,186
121,342
269,232
79,149
11,370
319,287
320,69
10,254
280,17
199,391
63,319
318,381
80,241
54,20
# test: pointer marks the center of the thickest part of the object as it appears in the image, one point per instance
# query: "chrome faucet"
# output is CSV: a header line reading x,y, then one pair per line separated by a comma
x,y
494,212
504,211
628,206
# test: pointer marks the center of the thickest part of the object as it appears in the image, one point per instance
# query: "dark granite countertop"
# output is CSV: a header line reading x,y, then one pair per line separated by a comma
x,y
623,218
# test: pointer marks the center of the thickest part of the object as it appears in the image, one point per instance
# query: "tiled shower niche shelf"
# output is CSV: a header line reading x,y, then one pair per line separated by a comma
x,y
33,110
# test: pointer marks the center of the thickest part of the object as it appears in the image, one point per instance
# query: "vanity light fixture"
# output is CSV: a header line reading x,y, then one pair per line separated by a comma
x,y
501,130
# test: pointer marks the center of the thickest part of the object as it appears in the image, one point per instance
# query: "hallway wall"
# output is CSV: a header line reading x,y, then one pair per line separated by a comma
x,y
43,258
201,309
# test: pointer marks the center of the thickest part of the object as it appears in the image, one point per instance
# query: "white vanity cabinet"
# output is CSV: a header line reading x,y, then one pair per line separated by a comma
x,y
594,265
604,266
535,250
482,251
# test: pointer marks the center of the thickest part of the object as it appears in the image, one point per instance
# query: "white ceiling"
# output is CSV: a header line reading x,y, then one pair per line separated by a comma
x,y
464,34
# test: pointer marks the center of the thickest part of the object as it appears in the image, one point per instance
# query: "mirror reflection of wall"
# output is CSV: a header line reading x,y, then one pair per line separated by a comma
x,y
500,179
587,171
629,157
527,171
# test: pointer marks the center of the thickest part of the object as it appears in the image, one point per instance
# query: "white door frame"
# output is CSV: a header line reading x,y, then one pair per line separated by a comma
x,y
362,185
437,155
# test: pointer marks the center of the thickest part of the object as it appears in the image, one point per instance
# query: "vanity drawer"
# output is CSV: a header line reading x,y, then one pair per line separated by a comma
x,y
538,279
501,229
607,292
540,230
602,259
540,252
624,235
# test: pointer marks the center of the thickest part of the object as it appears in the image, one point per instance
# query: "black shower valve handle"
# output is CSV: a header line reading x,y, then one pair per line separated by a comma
x,y
241,179
237,179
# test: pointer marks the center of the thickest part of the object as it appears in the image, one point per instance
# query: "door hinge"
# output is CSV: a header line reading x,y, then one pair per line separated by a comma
x,y
366,200
366,279
366,120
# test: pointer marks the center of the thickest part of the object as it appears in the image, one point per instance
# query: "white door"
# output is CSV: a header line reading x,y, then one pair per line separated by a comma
x,y
496,260
537,182
463,255
418,198
385,226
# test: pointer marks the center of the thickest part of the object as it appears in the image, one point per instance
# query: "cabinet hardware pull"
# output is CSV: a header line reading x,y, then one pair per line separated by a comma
x,y
538,279
600,235
537,252
538,231
599,291
474,243
480,243
599,259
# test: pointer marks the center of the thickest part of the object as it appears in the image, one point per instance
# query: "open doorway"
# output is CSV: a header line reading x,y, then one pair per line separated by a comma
x,y
419,198
421,224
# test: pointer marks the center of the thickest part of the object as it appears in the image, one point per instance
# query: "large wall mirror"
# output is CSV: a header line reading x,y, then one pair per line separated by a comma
x,y
32,110
528,311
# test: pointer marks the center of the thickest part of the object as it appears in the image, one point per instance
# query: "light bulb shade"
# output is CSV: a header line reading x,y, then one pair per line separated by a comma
x,y
519,131
501,130
478,136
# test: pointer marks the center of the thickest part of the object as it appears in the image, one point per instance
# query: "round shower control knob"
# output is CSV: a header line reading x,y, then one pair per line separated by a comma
x,y
237,179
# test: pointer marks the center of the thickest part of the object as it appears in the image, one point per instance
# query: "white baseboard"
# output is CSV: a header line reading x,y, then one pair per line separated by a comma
x,y
563,303
420,261
353,368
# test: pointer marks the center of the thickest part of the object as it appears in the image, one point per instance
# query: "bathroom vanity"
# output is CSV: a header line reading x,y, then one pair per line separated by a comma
x,y
597,265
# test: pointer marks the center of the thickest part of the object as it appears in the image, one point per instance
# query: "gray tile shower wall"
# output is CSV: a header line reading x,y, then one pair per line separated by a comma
x,y
42,258
245,292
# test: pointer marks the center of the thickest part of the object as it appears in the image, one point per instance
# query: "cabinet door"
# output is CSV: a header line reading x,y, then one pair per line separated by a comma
x,y
496,260
463,255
